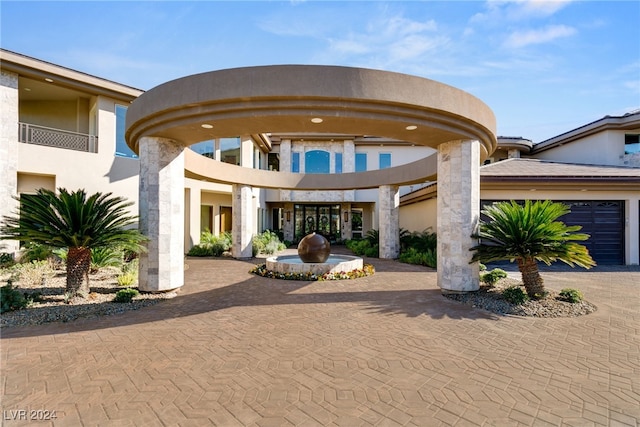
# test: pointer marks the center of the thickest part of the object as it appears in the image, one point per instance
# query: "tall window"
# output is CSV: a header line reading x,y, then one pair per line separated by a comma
x,y
273,161
338,159
316,161
385,160
122,149
205,148
230,150
295,162
361,162
631,144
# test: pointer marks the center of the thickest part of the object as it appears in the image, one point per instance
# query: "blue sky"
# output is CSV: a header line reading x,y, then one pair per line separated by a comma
x,y
544,67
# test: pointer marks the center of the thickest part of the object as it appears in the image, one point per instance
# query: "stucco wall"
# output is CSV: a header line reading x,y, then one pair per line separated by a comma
x,y
71,115
419,216
603,148
101,171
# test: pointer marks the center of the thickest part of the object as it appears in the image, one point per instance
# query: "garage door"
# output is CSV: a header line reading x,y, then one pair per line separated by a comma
x,y
603,220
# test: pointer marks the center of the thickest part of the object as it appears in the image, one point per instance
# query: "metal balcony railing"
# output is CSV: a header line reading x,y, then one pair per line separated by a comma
x,y
41,135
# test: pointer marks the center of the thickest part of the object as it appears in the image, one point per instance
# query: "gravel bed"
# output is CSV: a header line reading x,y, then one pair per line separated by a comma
x,y
490,299
54,307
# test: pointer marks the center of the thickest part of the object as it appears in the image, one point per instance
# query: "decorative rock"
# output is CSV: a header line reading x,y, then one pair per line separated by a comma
x,y
314,248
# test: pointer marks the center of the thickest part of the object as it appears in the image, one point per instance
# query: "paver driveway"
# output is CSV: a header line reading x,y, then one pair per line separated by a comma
x,y
235,349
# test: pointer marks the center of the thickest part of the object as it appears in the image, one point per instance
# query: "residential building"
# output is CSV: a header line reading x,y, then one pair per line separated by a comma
x,y
65,128
594,169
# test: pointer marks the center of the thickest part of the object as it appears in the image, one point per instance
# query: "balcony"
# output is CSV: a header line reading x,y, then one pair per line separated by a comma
x,y
40,135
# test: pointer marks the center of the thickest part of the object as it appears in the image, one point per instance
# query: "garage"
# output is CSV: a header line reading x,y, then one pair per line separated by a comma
x,y
603,220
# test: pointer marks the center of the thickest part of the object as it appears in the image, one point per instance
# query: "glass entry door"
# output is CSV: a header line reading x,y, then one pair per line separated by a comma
x,y
321,219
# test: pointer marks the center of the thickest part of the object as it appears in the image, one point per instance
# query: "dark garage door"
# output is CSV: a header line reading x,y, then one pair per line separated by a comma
x,y
603,220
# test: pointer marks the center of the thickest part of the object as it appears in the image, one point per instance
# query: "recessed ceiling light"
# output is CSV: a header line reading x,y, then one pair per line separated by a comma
x,y
317,120
48,80
411,127
206,126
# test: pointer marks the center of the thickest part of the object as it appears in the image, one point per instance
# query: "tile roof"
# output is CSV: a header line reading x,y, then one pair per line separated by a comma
x,y
535,168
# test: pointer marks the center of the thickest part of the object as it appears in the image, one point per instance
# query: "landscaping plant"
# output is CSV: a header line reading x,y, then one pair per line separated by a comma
x,y
527,234
492,277
75,221
571,295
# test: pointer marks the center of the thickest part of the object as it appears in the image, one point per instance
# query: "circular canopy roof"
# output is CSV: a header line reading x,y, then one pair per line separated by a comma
x,y
310,99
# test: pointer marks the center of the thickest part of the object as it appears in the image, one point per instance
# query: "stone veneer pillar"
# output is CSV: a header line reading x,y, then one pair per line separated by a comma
x,y
162,214
8,151
347,227
242,219
289,231
458,214
389,221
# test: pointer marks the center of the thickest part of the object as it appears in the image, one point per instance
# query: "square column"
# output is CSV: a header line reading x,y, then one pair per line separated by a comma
x,y
162,214
458,214
242,221
389,221
8,152
192,205
347,229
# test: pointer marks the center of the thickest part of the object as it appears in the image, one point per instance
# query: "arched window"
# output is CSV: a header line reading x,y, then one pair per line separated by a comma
x,y
316,161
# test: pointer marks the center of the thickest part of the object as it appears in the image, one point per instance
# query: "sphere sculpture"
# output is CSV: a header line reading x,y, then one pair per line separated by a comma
x,y
314,248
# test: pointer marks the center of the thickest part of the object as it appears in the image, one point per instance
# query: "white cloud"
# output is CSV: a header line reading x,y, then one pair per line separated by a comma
x,y
539,8
385,41
519,39
517,10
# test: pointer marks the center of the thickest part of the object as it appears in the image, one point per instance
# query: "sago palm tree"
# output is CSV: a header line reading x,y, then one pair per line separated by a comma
x,y
77,222
527,234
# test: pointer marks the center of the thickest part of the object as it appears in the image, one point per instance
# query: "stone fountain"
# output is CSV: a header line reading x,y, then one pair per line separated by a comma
x,y
314,256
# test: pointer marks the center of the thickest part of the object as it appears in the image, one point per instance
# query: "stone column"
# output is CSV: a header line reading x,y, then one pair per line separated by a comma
x,y
242,221
349,157
389,221
289,226
162,214
347,228
8,152
458,214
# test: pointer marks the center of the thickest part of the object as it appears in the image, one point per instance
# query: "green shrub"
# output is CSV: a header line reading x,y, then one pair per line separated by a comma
x,y
515,295
482,267
413,256
129,275
125,295
127,278
363,248
6,260
373,237
492,277
106,257
211,245
420,241
267,243
11,299
571,295
35,252
198,250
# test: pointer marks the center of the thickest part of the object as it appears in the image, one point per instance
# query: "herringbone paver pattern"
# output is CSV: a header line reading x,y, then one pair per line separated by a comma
x,y
240,350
